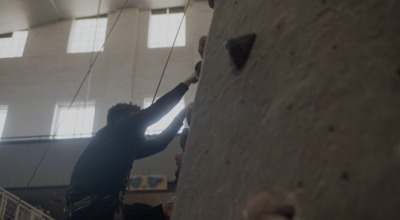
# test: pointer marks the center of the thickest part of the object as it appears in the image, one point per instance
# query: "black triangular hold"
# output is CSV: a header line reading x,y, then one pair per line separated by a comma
x,y
211,3
239,49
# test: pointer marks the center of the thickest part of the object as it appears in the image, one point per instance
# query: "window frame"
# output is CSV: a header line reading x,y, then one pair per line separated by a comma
x,y
77,132
164,38
3,108
78,34
166,119
13,44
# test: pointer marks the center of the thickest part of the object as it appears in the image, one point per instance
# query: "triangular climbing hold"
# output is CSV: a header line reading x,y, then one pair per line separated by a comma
x,y
211,3
239,49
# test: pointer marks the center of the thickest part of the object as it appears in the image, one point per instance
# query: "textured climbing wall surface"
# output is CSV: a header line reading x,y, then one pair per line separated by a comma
x,y
310,128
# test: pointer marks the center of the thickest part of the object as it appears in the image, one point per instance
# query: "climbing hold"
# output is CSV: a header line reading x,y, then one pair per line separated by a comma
x,y
189,108
211,3
184,134
345,176
197,69
239,49
202,44
270,203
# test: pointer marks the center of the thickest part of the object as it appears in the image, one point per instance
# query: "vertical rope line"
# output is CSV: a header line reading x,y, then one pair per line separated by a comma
x,y
69,107
92,54
134,52
89,83
170,52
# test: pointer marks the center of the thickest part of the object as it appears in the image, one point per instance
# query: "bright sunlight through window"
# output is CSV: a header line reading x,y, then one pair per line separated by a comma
x,y
87,35
13,45
75,123
3,116
163,26
163,123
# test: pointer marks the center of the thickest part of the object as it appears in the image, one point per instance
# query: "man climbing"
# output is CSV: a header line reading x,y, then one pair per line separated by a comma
x,y
101,174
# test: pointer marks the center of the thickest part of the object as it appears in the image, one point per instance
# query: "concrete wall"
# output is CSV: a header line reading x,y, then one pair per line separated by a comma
x,y
126,71
309,129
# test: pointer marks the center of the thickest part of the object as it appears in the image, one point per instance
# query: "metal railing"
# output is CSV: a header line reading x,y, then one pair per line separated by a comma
x,y
24,211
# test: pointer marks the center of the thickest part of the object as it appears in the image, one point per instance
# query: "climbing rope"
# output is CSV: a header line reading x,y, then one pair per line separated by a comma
x,y
93,61
91,56
88,74
170,52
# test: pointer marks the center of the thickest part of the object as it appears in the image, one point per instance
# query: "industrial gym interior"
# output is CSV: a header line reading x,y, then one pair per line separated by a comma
x,y
296,112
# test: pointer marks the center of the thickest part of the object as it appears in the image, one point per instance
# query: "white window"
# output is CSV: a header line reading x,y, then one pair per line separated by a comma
x,y
87,35
13,45
163,26
3,116
163,123
76,122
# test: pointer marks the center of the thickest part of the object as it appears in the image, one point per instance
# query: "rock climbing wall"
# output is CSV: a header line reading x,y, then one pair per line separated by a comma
x,y
309,127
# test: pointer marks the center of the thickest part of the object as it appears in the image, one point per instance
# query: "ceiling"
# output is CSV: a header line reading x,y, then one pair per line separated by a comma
x,y
18,15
